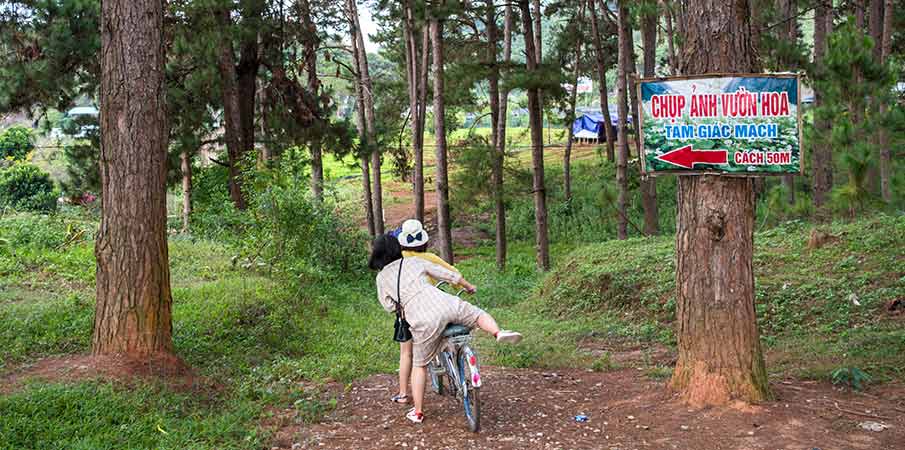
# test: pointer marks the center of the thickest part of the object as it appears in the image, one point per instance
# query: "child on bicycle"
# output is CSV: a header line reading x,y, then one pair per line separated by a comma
x,y
413,239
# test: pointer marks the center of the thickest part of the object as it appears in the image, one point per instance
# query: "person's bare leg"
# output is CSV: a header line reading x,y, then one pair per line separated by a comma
x,y
405,367
419,377
486,323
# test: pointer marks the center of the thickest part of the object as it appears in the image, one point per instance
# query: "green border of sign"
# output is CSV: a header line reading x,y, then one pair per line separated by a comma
x,y
639,124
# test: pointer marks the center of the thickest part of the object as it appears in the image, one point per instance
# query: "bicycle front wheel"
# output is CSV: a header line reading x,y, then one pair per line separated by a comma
x,y
471,399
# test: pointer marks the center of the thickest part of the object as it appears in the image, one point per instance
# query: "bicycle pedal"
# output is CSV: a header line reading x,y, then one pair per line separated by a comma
x,y
437,370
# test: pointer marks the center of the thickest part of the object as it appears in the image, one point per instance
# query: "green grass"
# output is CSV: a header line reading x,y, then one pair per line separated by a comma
x,y
96,416
272,342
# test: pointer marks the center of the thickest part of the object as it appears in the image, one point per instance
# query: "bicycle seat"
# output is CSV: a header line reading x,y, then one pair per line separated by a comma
x,y
453,330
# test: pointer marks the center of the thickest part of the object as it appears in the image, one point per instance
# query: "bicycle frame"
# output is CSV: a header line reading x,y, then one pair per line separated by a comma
x,y
452,361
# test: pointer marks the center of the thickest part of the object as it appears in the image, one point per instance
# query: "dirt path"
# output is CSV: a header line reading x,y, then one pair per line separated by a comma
x,y
530,409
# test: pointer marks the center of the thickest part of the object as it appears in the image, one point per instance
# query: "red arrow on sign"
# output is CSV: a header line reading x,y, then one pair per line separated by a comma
x,y
687,158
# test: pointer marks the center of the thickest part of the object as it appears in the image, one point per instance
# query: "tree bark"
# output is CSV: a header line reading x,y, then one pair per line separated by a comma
x,y
670,37
367,96
443,219
247,77
789,15
314,145
500,148
648,184
720,356
885,45
539,58
493,82
875,26
365,172
364,154
622,132
232,116
133,310
573,100
601,75
414,66
537,145
822,156
186,166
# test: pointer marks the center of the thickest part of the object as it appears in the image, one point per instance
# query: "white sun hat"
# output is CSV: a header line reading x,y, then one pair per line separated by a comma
x,y
412,234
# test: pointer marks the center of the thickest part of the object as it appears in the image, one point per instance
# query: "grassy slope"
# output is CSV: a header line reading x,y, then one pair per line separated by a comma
x,y
261,339
808,319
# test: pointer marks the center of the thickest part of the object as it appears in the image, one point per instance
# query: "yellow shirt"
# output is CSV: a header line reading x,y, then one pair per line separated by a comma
x,y
430,257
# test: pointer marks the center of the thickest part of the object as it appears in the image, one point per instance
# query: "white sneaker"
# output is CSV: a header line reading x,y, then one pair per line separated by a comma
x,y
509,337
414,416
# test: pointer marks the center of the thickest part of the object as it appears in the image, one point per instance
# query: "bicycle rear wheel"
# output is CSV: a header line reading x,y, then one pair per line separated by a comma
x,y
471,399
437,378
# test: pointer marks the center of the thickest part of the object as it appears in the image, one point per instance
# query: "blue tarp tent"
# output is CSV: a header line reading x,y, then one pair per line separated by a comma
x,y
588,125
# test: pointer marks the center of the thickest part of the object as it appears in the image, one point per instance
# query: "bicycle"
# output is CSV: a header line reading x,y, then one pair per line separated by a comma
x,y
455,371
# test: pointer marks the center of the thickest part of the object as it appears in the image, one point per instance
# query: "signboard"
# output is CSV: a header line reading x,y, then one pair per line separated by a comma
x,y
726,124
585,85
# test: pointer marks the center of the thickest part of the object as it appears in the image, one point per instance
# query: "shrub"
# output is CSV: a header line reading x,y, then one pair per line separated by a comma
x,y
294,233
16,143
283,229
26,187
82,167
213,214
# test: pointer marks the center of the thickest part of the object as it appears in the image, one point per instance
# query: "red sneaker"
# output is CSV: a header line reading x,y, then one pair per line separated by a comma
x,y
415,416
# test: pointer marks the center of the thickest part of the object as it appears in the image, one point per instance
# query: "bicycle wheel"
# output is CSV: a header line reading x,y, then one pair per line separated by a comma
x,y
471,400
436,378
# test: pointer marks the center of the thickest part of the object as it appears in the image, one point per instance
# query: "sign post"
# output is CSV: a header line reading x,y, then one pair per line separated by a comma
x,y
740,125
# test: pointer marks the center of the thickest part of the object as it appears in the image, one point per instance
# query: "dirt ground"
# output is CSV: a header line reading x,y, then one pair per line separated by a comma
x,y
79,367
530,409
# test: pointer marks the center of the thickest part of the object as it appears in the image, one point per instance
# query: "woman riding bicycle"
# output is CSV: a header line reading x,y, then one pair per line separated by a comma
x,y
426,308
414,238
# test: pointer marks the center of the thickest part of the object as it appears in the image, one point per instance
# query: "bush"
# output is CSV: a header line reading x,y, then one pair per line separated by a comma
x,y
26,187
283,228
82,167
294,233
16,143
213,214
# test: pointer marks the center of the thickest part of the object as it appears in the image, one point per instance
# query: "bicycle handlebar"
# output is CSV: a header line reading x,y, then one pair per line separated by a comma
x,y
458,294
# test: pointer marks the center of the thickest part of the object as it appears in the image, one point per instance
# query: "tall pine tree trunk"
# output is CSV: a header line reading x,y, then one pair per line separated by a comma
x,y
364,153
232,117
246,81
538,50
573,100
789,14
822,155
601,75
133,310
444,229
367,98
414,65
314,144
537,144
670,37
500,149
622,136
493,91
720,356
648,184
